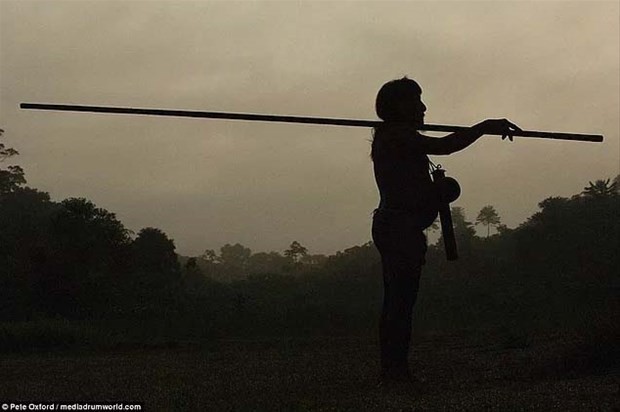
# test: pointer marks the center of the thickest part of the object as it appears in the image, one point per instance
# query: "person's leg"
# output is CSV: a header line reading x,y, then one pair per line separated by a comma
x,y
384,324
401,283
402,250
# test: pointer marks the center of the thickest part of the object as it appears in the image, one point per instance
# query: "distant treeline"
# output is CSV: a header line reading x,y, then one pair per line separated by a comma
x,y
73,261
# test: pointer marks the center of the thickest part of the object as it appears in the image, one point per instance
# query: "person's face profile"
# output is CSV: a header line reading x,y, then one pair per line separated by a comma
x,y
413,109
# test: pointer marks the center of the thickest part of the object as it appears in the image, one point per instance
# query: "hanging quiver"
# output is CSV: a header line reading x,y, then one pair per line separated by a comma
x,y
448,191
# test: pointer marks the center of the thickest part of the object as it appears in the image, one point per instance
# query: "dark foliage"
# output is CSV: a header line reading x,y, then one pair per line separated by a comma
x,y
74,260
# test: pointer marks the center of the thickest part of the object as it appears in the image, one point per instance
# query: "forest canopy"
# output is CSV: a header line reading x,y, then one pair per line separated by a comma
x,y
76,261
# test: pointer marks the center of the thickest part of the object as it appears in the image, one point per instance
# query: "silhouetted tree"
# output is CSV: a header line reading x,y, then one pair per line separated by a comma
x,y
13,177
462,227
488,217
600,188
80,249
295,251
209,256
234,260
236,255
23,215
502,229
155,252
91,235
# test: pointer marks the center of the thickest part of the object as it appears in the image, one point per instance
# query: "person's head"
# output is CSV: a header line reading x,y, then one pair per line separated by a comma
x,y
401,101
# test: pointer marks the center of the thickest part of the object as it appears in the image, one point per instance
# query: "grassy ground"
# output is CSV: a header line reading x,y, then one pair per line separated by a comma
x,y
336,374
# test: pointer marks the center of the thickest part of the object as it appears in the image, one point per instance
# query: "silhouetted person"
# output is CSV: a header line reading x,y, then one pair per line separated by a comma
x,y
408,205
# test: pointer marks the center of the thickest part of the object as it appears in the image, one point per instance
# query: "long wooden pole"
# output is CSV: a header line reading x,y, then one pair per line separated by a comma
x,y
289,119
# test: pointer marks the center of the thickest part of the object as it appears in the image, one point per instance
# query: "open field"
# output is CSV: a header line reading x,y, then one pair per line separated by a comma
x,y
478,373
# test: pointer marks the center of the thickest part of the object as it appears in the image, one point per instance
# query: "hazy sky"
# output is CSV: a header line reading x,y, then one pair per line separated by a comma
x,y
545,65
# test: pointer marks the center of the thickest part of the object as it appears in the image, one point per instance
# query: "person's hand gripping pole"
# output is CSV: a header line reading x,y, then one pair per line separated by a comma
x,y
502,127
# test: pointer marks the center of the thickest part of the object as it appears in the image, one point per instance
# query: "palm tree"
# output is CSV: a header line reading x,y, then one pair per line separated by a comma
x,y
600,188
488,216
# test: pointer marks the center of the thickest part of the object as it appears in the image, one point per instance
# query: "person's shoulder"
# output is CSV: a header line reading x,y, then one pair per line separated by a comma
x,y
398,140
395,134
400,130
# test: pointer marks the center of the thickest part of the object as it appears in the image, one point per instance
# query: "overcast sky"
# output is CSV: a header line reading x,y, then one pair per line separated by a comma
x,y
545,65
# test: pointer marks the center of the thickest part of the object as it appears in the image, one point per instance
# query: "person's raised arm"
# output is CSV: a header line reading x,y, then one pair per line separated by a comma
x,y
460,140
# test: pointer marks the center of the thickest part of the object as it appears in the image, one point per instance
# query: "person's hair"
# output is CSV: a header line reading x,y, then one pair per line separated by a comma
x,y
391,95
388,108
